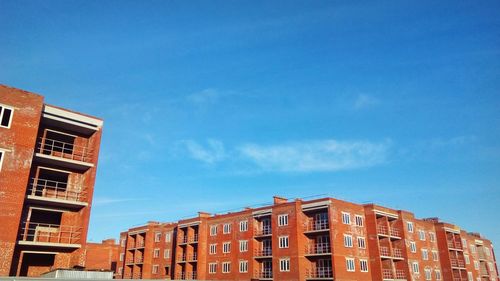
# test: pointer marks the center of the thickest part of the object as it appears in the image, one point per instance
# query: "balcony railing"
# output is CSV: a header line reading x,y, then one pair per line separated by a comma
x,y
56,190
400,274
139,260
266,252
484,272
387,274
457,263
64,150
454,244
193,239
396,252
262,231
394,232
384,252
139,244
320,248
481,255
50,233
319,272
183,240
317,225
191,275
182,257
388,231
265,274
193,257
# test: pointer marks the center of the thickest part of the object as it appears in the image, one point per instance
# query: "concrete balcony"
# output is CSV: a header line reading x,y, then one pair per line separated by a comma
x,y
263,275
193,239
319,273
391,232
321,249
456,263
262,231
50,235
454,245
263,254
385,253
396,275
64,154
317,226
54,193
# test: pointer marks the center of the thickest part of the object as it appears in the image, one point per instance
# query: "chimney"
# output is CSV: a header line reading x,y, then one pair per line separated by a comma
x,y
279,200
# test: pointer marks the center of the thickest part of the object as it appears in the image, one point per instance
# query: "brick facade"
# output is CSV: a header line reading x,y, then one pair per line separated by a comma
x,y
102,256
48,166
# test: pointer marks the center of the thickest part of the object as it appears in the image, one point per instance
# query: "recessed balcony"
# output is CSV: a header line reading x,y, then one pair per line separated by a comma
x,y
320,249
50,235
56,193
263,275
263,231
263,254
317,226
319,273
63,152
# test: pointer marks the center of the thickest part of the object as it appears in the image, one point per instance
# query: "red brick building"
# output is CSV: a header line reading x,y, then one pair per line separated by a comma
x,y
48,160
322,239
102,256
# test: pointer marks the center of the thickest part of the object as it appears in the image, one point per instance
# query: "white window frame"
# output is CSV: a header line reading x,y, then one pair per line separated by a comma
x,y
212,268
469,276
155,269
421,234
122,256
346,218
166,253
157,236
409,226
2,157
285,265
213,249
226,229
244,266
476,265
415,267
348,243
425,254
123,241
432,236
350,264
361,242
156,253
437,273
467,259
244,226
413,247
226,267
283,242
243,246
213,230
283,220
359,220
168,237
428,273
226,247
2,111
363,265
435,255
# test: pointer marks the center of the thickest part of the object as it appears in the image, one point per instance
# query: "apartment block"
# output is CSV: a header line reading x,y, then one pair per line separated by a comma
x,y
48,161
147,252
321,239
102,256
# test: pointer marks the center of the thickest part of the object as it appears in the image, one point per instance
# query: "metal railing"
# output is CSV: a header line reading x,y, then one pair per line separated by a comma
x,y
139,260
397,253
139,244
400,274
454,244
50,233
57,190
193,239
265,230
320,248
319,272
384,252
394,232
182,257
388,231
457,263
266,252
193,257
316,225
64,150
265,274
387,274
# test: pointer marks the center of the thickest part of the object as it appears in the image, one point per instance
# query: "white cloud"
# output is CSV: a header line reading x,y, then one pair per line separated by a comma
x,y
365,101
211,153
317,156
207,96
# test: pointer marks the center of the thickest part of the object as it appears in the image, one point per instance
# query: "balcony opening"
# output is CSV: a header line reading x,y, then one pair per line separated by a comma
x,y
35,264
57,142
44,227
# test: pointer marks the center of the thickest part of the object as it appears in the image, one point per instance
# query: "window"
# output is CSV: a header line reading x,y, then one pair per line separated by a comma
x,y
243,266
243,226
346,218
487,251
166,253
438,274
428,274
361,243
168,237
283,242
226,247
122,255
467,260
413,247
213,249
212,268
284,265
120,270
432,236
464,243
476,265
363,265
473,249
155,269
227,228
226,267
213,230
283,220
415,267
435,256
347,240
358,220
2,153
243,246
425,254
469,276
421,235
6,116
157,236
122,243
349,263
409,226
156,253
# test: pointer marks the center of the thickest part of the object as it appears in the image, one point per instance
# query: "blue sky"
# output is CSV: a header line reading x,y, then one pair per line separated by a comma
x,y
217,105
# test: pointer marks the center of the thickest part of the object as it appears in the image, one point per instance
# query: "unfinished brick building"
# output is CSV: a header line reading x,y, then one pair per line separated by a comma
x,y
102,256
48,159
322,239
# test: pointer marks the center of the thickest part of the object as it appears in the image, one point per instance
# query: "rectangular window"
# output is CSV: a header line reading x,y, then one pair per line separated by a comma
x,y
168,237
2,153
438,274
284,265
226,267
359,220
473,249
283,220
428,274
415,267
435,256
413,247
157,236
243,226
243,246
213,230
283,242
243,266
361,243
349,263
227,228
226,247
122,255
155,269
6,116
464,243
432,236
156,253
466,258
425,254
212,268
213,249
348,240
409,226
120,270
476,265
123,241
363,265
421,235
469,276
346,218
166,253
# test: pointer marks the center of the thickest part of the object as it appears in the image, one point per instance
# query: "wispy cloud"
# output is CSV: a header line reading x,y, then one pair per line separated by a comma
x,y
211,153
364,101
207,96
317,156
